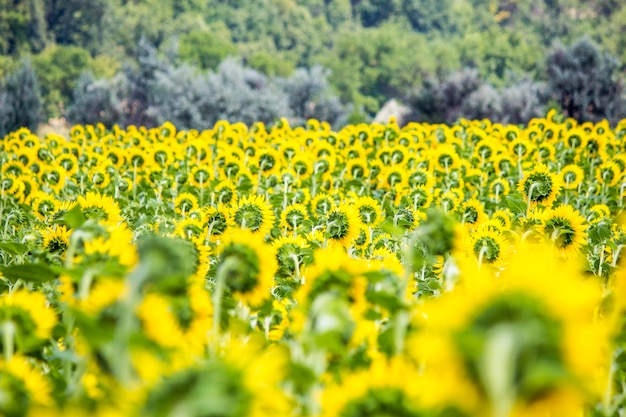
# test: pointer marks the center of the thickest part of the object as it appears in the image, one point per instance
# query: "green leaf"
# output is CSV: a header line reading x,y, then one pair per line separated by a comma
x,y
73,218
29,272
13,248
516,204
599,233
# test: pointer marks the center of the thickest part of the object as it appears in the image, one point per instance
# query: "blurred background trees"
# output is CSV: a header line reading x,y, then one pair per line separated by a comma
x,y
195,61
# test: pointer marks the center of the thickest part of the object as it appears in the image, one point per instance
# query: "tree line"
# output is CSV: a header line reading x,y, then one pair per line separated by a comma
x,y
195,61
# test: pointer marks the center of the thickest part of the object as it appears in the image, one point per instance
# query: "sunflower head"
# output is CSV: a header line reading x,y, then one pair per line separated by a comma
x,y
540,186
247,265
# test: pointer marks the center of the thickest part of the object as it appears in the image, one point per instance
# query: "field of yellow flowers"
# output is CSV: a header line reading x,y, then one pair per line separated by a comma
x,y
423,271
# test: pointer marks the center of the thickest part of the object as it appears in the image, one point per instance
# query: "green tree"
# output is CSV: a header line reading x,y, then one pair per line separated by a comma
x,y
58,69
20,100
205,49
369,66
22,26
77,22
586,82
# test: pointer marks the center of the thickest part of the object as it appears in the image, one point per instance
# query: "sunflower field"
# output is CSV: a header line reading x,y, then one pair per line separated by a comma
x,y
422,271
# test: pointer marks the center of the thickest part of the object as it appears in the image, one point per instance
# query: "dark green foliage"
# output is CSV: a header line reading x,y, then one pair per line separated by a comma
x,y
204,49
465,95
584,81
58,69
77,22
97,101
375,50
22,26
20,100
310,97
441,100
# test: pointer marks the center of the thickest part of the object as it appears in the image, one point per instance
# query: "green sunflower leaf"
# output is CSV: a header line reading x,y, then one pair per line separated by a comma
x,y
13,248
29,272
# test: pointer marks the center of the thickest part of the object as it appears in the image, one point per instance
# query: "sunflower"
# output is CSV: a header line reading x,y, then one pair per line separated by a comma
x,y
370,212
302,165
565,226
243,381
247,264
321,205
380,390
341,224
334,271
488,245
43,205
293,216
357,169
28,320
504,217
56,239
445,158
420,177
608,174
268,161
217,220
99,176
520,148
225,192
253,212
100,207
190,229
572,176
69,163
504,164
185,203
419,197
540,186
524,344
598,212
292,255
471,211
449,200
499,188
161,155
199,176
23,387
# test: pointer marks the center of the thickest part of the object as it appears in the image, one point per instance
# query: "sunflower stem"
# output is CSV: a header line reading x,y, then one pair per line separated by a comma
x,y
481,255
601,261
296,263
616,255
8,336
218,294
608,392
530,197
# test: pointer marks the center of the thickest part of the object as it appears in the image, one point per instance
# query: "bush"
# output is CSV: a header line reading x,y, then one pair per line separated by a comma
x,y
585,82
20,100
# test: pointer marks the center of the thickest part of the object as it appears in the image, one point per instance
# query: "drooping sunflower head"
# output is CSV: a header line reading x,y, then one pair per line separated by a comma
x,y
608,174
370,212
381,390
488,245
540,186
100,207
253,212
185,203
23,387
56,239
525,333
247,265
217,220
30,318
565,227
293,216
471,211
341,224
